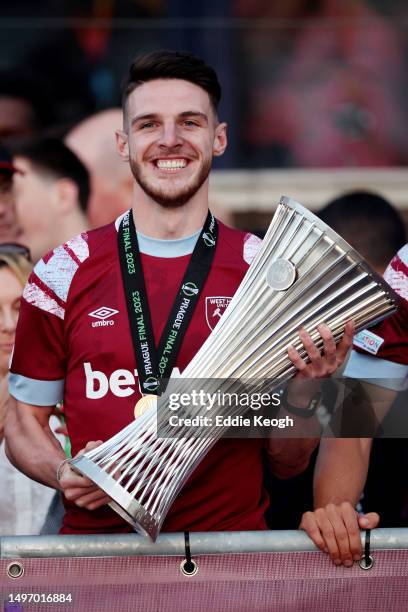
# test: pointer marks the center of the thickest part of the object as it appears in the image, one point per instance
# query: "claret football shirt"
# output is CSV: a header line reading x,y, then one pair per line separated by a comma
x,y
73,344
380,354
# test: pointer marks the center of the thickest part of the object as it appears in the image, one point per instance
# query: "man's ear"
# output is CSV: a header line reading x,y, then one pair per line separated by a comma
x,y
66,195
122,144
220,139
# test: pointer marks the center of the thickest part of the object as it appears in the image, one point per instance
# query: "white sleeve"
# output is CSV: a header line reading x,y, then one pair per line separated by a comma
x,y
381,372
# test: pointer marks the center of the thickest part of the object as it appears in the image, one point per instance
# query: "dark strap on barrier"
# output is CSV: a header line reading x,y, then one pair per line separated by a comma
x,y
367,561
367,556
189,565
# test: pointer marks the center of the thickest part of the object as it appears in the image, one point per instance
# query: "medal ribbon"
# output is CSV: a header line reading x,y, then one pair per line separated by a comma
x,y
153,364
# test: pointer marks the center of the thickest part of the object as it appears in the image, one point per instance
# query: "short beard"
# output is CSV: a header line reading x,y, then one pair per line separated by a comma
x,y
161,196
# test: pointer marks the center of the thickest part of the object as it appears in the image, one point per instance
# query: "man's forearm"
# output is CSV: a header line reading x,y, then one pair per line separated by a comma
x,y
342,463
288,457
31,446
341,470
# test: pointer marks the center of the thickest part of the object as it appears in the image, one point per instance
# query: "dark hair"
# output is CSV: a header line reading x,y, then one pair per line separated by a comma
x,y
369,223
52,157
167,64
6,182
32,88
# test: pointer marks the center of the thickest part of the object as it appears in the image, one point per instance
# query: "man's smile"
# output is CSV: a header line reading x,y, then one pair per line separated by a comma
x,y
171,164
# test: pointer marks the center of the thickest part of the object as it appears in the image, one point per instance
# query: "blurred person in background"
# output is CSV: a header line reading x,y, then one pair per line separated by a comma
x,y
51,191
373,226
94,143
24,502
9,230
335,96
369,223
25,107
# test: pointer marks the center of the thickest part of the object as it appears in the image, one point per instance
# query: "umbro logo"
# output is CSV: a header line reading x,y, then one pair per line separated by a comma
x,y
103,313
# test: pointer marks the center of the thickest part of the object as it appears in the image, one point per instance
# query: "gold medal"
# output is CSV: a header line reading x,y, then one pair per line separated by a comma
x,y
145,402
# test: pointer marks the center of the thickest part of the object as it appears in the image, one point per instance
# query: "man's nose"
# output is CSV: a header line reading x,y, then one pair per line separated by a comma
x,y
170,136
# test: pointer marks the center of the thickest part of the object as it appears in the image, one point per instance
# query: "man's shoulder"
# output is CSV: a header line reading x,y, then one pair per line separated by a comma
x,y
381,352
52,277
241,243
77,250
396,273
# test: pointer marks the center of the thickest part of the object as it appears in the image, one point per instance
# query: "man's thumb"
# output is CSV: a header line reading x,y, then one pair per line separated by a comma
x,y
369,520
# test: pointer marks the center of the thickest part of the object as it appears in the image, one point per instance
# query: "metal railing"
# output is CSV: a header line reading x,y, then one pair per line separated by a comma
x,y
172,544
267,571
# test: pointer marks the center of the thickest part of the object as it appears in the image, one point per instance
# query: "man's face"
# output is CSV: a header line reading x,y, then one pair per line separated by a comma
x,y
171,136
34,198
10,293
9,231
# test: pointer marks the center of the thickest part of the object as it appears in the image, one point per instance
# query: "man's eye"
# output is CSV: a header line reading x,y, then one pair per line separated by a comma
x,y
148,124
190,123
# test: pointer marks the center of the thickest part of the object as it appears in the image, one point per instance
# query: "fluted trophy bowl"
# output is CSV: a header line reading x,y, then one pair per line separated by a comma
x,y
303,274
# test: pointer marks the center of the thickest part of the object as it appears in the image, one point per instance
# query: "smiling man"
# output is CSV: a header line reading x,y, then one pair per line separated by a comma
x,y
99,313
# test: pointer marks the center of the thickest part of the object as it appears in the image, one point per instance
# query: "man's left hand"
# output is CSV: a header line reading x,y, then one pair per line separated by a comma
x,y
335,529
322,363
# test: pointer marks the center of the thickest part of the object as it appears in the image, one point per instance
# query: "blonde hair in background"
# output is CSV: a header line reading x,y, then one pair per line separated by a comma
x,y
21,267
18,264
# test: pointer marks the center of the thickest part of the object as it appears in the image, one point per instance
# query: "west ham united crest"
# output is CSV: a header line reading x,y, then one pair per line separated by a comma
x,y
214,308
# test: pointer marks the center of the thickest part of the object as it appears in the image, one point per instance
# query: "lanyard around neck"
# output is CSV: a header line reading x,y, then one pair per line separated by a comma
x,y
153,364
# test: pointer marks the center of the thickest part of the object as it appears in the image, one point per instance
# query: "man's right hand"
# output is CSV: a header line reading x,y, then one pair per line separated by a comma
x,y
79,489
335,529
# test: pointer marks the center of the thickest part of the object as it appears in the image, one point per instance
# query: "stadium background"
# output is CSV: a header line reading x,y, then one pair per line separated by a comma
x,y
314,92
309,86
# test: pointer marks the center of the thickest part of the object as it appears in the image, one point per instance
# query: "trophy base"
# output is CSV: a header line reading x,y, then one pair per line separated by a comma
x,y
123,503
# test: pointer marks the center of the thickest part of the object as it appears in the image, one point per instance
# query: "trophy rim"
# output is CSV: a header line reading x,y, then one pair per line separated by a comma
x,y
127,516
305,212
122,502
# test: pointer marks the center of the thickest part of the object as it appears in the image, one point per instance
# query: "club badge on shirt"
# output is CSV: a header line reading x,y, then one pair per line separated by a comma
x,y
215,308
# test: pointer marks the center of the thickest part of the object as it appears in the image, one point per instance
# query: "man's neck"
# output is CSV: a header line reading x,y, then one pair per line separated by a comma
x,y
157,221
71,226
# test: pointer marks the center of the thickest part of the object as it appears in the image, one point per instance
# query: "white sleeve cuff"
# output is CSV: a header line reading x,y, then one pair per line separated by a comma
x,y
381,372
36,392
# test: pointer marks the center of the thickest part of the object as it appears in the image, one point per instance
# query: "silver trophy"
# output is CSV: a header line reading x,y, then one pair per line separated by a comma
x,y
304,274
